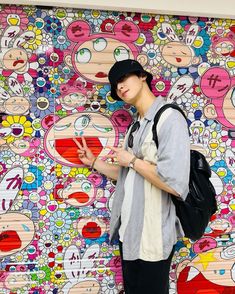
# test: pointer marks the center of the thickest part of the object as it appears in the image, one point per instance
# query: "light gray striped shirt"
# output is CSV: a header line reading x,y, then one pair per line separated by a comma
x,y
150,227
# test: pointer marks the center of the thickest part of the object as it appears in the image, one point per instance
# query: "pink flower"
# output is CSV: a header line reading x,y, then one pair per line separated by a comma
x,y
14,15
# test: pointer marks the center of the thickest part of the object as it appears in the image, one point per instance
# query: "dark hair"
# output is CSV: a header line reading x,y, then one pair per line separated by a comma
x,y
137,73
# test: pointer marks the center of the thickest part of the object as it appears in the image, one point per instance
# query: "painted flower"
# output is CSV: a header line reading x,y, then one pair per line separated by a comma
x,y
65,171
32,179
159,38
67,238
105,250
153,53
46,43
38,18
41,274
65,71
46,243
60,41
202,43
145,21
220,27
53,25
64,15
13,16
160,87
58,276
186,21
20,127
17,160
55,57
28,88
216,145
221,169
96,103
194,102
20,257
42,260
30,209
42,83
73,213
60,222
107,25
108,285
42,104
54,76
95,17
35,42
48,183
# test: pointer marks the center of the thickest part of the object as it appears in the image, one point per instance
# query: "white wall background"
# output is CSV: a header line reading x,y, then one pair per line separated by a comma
x,y
210,8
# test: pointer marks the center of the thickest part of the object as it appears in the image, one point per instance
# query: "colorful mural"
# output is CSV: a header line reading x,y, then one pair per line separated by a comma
x,y
54,223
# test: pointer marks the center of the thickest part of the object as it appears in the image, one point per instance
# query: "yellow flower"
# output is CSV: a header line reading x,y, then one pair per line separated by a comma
x,y
20,127
65,170
36,41
58,276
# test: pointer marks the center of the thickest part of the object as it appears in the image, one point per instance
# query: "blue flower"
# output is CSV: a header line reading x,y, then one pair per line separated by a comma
x,y
203,39
60,222
33,178
60,41
221,169
53,25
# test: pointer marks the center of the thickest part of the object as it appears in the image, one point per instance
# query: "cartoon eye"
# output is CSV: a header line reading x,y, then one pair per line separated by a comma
x,y
100,44
86,187
83,55
12,281
82,122
121,53
102,129
22,145
219,49
68,187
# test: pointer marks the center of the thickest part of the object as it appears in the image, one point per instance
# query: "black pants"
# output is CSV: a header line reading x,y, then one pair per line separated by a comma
x,y
146,277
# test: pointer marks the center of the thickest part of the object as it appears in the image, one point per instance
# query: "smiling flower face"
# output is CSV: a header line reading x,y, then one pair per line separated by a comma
x,y
20,127
97,129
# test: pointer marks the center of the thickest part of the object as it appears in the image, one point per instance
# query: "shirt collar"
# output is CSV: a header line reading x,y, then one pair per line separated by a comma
x,y
150,114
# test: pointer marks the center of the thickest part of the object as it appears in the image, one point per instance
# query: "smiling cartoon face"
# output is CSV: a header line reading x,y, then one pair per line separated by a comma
x,y
15,59
177,54
97,129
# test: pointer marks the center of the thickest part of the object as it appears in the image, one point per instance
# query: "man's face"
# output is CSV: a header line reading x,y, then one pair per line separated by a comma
x,y
129,87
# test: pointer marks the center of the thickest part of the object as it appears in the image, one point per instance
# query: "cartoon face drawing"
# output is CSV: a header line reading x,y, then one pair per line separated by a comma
x,y
177,53
97,129
13,280
81,192
15,59
224,46
14,102
94,54
217,84
209,270
16,229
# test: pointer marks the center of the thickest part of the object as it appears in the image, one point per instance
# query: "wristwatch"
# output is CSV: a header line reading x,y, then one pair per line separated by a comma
x,y
132,162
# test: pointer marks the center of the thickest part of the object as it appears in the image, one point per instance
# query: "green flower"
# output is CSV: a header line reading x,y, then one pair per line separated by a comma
x,y
42,274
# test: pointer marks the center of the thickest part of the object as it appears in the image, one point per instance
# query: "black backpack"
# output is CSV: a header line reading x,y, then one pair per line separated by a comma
x,y
200,204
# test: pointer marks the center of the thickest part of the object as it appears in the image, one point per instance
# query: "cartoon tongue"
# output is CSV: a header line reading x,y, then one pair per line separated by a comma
x,y
80,197
9,240
68,149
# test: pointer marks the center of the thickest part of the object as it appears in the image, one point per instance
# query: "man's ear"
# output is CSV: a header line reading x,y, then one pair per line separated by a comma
x,y
68,60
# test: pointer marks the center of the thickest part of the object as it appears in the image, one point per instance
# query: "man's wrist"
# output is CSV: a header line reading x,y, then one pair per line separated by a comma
x,y
131,164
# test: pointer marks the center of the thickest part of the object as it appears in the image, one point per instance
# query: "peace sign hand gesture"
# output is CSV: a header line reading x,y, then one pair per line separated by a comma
x,y
84,153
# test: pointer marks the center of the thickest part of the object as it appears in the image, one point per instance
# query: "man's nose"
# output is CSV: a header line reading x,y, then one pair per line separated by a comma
x,y
120,86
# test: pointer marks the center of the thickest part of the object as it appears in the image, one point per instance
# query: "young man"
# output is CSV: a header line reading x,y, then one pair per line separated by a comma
x,y
143,215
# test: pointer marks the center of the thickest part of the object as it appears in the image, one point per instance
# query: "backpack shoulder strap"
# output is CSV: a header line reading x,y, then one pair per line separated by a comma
x,y
158,115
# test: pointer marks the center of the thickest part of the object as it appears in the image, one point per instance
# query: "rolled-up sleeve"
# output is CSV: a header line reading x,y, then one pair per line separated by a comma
x,y
173,154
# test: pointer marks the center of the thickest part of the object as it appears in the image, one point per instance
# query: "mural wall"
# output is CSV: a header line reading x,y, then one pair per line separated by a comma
x,y
54,223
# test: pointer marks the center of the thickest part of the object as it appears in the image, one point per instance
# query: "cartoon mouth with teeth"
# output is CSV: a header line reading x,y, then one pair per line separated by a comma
x,y
97,129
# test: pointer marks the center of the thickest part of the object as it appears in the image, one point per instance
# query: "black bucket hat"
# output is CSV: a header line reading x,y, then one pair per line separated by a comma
x,y
120,69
